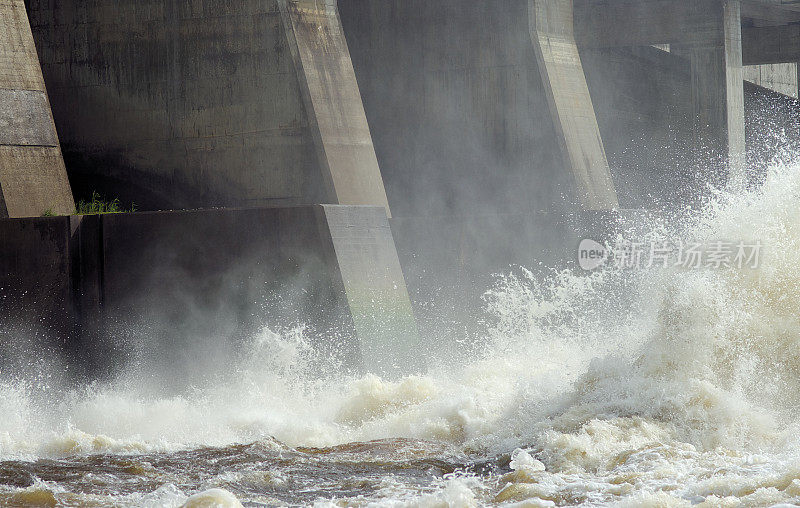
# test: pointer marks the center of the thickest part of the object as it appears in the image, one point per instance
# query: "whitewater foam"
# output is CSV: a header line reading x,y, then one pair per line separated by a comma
x,y
660,387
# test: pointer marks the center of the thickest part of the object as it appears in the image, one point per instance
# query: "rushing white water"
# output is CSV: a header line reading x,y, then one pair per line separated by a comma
x,y
652,387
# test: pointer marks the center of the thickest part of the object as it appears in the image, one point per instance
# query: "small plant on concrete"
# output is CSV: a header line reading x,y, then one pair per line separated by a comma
x,y
48,213
99,206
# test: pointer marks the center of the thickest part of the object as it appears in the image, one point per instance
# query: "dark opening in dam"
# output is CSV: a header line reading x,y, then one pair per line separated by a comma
x,y
399,253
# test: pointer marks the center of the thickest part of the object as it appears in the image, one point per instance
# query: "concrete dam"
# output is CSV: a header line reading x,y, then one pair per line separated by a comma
x,y
351,148
390,253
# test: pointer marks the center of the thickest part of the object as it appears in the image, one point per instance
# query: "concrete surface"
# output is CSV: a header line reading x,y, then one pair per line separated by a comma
x,y
35,278
461,123
708,33
771,44
184,288
717,87
552,32
33,179
781,78
172,104
333,102
462,113
375,287
456,107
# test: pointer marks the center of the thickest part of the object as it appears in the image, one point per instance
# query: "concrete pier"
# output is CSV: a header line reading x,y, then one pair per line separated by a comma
x,y
375,287
333,103
717,86
185,105
552,31
33,180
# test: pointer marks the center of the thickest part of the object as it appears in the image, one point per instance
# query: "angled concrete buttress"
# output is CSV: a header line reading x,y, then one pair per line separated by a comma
x,y
552,32
32,175
375,287
214,103
333,102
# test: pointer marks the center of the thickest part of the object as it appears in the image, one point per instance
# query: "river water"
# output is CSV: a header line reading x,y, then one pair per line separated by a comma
x,y
650,387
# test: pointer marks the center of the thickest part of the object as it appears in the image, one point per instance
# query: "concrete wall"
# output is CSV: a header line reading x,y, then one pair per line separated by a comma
x,y
462,126
32,175
199,114
450,262
184,288
642,96
161,106
773,128
781,78
456,106
173,104
461,122
35,277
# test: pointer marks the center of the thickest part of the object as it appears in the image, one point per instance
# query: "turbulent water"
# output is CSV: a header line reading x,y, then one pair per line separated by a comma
x,y
660,387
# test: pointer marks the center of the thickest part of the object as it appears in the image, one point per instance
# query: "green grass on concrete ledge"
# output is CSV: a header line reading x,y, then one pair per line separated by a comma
x,y
97,205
